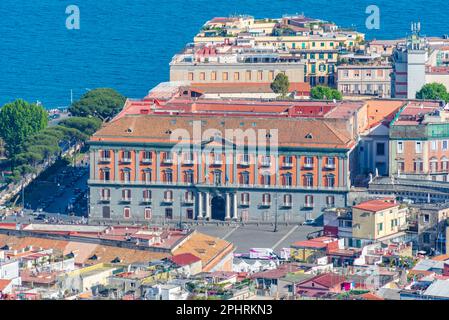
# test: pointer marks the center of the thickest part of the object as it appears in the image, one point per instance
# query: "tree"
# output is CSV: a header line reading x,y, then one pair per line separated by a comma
x,y
18,121
87,126
280,84
102,103
325,93
433,91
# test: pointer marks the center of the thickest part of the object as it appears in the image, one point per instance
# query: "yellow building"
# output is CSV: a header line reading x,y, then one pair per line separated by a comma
x,y
377,220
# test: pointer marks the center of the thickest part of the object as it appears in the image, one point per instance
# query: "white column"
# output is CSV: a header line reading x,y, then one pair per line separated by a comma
x,y
234,203
208,206
228,206
200,205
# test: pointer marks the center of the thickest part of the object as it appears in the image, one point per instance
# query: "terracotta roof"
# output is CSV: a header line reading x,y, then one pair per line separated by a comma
x,y
328,280
292,132
184,259
4,283
376,205
371,296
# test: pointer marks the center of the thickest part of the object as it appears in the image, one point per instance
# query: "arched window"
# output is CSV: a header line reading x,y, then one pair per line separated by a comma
x,y
217,176
433,164
168,175
105,174
126,175
418,166
330,180
188,176
444,164
308,180
287,179
168,196
146,175
265,179
244,177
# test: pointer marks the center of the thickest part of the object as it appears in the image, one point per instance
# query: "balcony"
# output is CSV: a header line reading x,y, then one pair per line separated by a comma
x,y
244,163
287,165
105,160
308,205
126,160
126,199
265,204
168,200
187,162
245,203
167,161
217,162
330,166
147,161
105,199
146,200
308,165
189,201
265,164
287,205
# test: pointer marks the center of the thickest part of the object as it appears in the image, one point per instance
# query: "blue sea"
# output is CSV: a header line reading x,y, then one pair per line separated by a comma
x,y
127,44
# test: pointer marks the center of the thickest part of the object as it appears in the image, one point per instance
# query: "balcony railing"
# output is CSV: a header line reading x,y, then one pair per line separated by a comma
x,y
244,163
287,165
147,161
265,204
287,204
187,161
126,199
189,200
244,203
126,160
329,165
105,159
265,164
146,200
167,161
308,205
308,165
168,200
105,199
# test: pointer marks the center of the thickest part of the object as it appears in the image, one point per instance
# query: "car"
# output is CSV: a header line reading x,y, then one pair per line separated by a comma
x,y
309,222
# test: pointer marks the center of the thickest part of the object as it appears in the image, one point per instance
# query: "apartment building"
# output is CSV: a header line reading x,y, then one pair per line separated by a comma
x,y
365,80
233,64
139,172
419,142
378,220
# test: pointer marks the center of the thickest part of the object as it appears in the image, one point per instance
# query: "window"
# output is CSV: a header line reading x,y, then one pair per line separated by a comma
x,y
147,156
380,149
287,179
287,200
244,197
288,161
146,175
105,174
400,147
202,76
444,164
401,166
259,75
308,180
168,176
308,162
225,76
126,175
433,145
146,194
127,212
168,196
188,176
167,157
330,201
418,147
433,165
217,176
190,76
330,181
380,227
147,213
213,75
106,155
168,213
105,194
244,177
126,156
188,197
266,161
270,75
266,199
426,218
236,76
248,75
126,195
418,166
444,144
266,179
188,157
330,163
245,158
309,201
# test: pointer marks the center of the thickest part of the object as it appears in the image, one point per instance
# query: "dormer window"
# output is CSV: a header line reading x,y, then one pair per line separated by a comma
x,y
309,136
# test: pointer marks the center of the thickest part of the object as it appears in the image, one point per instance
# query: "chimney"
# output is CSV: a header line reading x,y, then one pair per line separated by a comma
x,y
446,269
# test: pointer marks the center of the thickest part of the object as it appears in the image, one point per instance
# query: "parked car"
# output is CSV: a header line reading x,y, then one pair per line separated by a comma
x,y
309,222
